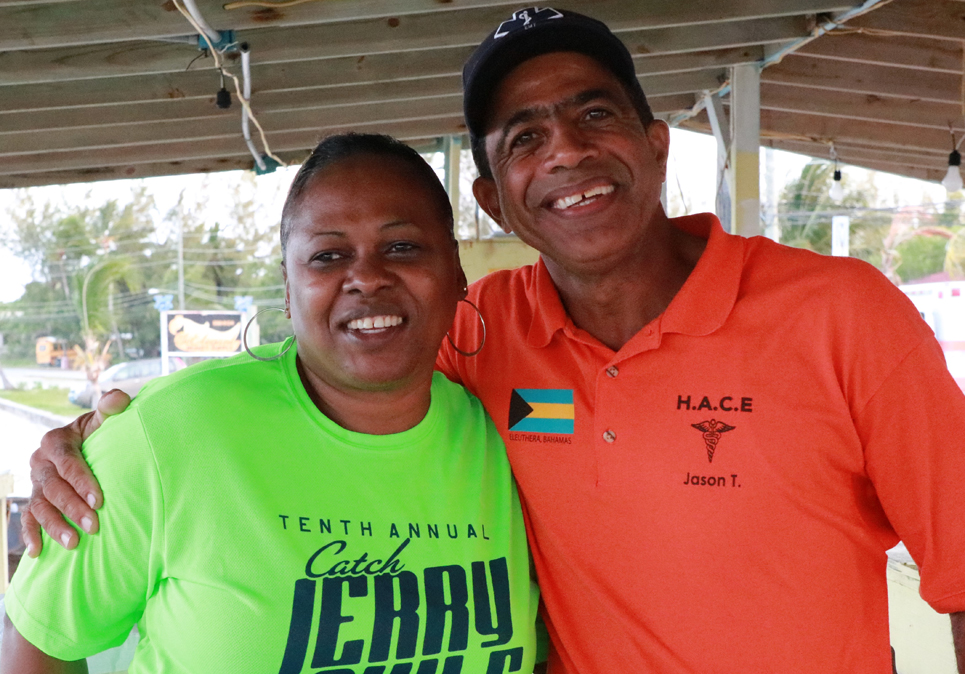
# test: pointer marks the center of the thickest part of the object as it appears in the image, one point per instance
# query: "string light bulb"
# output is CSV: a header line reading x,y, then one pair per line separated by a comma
x,y
953,178
837,191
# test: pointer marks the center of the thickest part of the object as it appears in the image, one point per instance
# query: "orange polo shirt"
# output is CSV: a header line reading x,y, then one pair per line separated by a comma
x,y
719,494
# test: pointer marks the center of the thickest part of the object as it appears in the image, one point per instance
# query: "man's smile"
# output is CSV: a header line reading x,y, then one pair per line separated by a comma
x,y
581,198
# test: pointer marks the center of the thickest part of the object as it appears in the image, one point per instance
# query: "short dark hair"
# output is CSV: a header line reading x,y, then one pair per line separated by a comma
x,y
339,147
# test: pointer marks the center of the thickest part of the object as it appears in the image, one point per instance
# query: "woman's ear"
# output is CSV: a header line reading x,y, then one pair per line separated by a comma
x,y
484,189
461,282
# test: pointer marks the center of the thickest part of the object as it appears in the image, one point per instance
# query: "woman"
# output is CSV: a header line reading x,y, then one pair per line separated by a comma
x,y
365,518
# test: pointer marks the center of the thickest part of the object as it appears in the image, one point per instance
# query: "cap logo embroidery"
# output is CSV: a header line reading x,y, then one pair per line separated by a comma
x,y
712,431
525,19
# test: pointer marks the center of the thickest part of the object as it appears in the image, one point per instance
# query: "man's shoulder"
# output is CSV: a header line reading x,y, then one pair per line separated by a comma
x,y
777,261
827,287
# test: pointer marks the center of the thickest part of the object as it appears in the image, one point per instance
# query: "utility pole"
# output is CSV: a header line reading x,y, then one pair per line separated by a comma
x,y
180,264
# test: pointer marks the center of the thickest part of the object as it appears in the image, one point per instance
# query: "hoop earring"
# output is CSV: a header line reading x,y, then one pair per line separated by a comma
x,y
470,354
244,336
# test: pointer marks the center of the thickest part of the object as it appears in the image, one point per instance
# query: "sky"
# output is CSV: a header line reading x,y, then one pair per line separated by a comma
x,y
691,186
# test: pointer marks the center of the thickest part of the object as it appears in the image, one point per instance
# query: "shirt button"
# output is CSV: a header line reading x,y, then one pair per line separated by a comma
x,y
612,371
609,436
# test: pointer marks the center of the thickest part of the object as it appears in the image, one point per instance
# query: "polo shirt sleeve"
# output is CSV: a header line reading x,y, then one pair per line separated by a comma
x,y
73,604
912,432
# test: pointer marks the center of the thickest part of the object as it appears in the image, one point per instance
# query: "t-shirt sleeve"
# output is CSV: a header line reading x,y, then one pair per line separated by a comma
x,y
915,457
73,604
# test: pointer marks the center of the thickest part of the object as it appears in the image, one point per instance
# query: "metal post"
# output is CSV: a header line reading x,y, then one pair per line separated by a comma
x,y
452,151
6,488
840,235
745,171
772,228
165,358
181,264
721,128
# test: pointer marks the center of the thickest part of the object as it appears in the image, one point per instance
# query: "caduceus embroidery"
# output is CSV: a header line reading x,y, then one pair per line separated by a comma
x,y
712,431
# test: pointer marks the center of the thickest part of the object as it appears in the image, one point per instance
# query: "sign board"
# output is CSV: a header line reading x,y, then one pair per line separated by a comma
x,y
840,235
199,334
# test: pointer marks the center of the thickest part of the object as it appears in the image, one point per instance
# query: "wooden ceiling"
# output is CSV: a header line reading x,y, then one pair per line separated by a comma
x,y
885,88
95,90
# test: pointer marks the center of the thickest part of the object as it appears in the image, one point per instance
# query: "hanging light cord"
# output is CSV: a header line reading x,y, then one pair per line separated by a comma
x,y
219,64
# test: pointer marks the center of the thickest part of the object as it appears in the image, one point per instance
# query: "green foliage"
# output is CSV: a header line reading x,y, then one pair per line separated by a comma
x,y
123,248
904,243
921,256
806,210
50,399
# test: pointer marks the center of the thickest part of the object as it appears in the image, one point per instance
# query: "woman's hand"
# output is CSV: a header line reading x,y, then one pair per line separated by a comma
x,y
63,482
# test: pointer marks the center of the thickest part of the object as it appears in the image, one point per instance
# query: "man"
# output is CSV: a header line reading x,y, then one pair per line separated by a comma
x,y
715,438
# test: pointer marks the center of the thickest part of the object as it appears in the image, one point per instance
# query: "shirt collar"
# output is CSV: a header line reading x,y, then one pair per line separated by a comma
x,y
549,314
708,296
699,308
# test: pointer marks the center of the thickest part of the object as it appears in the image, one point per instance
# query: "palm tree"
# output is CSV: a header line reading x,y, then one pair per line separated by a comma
x,y
96,319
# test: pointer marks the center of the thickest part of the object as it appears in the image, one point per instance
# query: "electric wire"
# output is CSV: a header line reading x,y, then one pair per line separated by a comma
x,y
219,64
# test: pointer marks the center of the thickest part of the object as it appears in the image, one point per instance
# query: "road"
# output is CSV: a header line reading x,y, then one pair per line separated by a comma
x,y
18,439
47,376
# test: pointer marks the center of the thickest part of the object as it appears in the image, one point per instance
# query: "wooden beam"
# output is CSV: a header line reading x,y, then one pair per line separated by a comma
x,y
263,102
856,155
899,51
716,35
218,150
417,33
826,129
30,3
150,136
132,171
910,163
937,19
864,107
700,60
194,166
202,84
865,79
661,105
57,25
902,168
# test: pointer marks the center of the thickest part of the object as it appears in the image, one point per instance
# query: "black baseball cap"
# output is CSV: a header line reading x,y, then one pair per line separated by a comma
x,y
532,32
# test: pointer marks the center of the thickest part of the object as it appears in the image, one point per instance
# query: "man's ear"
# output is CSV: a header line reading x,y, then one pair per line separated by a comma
x,y
484,189
658,133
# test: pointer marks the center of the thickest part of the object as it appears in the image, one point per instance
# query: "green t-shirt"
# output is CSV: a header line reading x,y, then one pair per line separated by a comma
x,y
243,531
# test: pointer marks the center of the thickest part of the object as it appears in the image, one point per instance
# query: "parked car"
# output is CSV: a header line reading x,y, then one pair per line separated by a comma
x,y
129,377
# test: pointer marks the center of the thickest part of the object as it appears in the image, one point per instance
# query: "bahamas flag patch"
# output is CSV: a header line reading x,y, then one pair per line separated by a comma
x,y
541,410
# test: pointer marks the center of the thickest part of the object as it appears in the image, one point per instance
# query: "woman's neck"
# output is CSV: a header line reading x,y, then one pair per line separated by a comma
x,y
373,412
